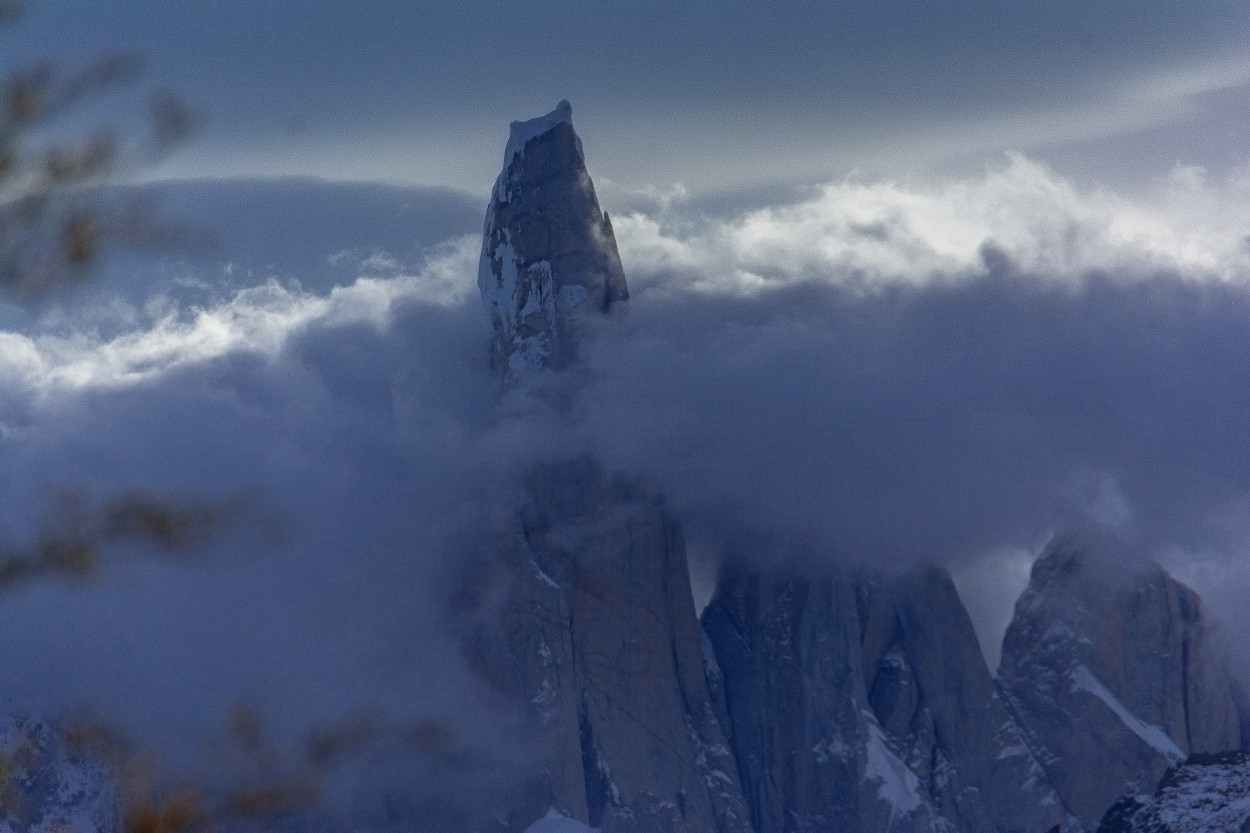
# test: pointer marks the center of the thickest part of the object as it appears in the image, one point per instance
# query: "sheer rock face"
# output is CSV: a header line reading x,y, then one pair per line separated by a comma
x,y
790,668
1109,666
933,694
593,634
803,704
884,716
549,256
597,639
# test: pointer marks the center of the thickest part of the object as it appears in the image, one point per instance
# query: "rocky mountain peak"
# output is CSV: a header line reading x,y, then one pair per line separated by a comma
x,y
588,630
1109,662
549,258
1088,560
800,702
881,714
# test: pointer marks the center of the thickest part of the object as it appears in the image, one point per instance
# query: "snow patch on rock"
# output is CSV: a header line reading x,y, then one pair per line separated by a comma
x,y
521,132
898,786
46,787
557,822
1156,738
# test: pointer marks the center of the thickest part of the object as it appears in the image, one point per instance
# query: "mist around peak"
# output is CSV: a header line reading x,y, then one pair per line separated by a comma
x,y
870,373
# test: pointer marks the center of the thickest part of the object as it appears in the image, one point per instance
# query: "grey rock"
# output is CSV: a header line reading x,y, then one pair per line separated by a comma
x,y
46,787
549,258
595,635
1109,666
853,670
582,615
931,691
811,754
1209,793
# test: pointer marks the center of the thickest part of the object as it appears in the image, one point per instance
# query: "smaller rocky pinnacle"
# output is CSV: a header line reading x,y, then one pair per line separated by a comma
x,y
549,257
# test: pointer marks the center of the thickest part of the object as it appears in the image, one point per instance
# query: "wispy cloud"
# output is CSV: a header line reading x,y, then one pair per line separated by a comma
x,y
258,319
1020,213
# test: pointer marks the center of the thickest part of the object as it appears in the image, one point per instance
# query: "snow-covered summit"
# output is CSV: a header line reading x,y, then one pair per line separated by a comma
x,y
549,258
520,132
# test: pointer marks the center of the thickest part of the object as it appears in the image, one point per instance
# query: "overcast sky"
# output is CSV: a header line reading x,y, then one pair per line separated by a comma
x,y
911,281
715,94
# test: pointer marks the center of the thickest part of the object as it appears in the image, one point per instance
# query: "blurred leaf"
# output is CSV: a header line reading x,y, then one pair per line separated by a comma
x,y
429,736
26,95
346,737
7,159
52,229
162,522
79,535
89,735
173,120
71,555
273,799
245,727
179,812
69,165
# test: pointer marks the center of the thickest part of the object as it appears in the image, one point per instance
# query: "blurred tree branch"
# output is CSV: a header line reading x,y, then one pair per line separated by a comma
x,y
54,221
254,781
76,532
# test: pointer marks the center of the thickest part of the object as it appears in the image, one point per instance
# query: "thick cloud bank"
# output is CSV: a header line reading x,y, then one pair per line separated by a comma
x,y
882,372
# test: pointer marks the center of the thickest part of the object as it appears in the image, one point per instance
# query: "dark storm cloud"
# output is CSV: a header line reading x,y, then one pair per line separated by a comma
x,y
371,445
934,373
864,372
869,373
941,422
